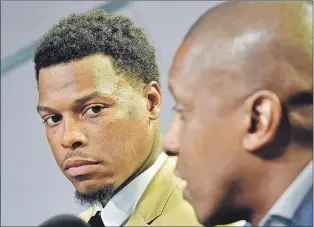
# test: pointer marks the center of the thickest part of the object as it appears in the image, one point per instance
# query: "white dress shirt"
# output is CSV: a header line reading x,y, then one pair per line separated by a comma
x,y
121,206
283,211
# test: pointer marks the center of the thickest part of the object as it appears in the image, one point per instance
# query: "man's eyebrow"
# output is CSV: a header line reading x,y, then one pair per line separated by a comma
x,y
170,88
172,91
45,109
78,101
88,97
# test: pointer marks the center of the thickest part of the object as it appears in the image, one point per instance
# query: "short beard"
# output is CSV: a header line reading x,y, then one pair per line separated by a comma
x,y
100,196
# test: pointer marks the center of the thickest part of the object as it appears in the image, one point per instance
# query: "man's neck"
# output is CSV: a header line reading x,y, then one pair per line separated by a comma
x,y
274,180
152,157
150,160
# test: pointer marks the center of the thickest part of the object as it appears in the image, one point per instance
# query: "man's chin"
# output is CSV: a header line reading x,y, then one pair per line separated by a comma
x,y
211,216
92,196
223,218
214,221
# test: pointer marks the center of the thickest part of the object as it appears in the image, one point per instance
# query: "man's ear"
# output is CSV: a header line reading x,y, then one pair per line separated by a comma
x,y
152,93
264,112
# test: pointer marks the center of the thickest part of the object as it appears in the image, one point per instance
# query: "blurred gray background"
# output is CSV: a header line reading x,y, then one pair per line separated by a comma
x,y
32,187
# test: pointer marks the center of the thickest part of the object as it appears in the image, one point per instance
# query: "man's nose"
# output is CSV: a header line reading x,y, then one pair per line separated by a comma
x,y
72,137
171,143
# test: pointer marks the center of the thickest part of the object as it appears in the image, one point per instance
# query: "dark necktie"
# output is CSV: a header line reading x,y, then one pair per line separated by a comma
x,y
96,221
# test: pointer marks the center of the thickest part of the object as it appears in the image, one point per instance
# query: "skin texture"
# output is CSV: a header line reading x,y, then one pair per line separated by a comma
x,y
242,81
118,126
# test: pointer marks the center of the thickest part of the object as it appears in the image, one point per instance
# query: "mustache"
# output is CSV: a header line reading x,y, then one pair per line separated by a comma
x,y
77,155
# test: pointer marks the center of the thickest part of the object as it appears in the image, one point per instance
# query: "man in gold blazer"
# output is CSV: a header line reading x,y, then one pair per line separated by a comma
x,y
99,98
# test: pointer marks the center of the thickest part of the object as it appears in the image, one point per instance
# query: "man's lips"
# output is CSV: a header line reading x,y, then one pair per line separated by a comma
x,y
78,167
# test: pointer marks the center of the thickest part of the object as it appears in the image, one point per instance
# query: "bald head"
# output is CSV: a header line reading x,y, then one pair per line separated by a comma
x,y
292,19
256,45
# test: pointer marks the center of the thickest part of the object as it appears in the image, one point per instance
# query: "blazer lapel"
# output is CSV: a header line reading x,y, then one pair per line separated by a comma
x,y
156,195
137,219
87,214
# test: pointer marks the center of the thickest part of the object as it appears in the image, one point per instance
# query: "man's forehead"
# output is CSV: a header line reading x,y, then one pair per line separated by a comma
x,y
94,65
184,60
182,75
88,74
200,65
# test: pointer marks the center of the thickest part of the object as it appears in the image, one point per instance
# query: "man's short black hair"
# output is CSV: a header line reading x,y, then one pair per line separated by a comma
x,y
98,32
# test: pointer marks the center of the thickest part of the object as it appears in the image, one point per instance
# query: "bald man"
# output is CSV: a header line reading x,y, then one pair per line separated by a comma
x,y
243,133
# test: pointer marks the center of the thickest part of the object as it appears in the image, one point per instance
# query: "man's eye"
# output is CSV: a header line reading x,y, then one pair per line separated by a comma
x,y
53,119
94,110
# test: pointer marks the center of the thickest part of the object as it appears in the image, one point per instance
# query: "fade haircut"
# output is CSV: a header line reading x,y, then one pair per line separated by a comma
x,y
98,32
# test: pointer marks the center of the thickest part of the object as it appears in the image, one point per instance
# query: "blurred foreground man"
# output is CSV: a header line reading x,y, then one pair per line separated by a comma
x,y
243,133
99,98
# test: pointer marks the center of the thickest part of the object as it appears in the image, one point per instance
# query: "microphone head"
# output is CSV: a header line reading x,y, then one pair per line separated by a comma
x,y
64,220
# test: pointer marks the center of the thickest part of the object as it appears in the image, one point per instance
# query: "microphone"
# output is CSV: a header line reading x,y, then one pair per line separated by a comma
x,y
64,220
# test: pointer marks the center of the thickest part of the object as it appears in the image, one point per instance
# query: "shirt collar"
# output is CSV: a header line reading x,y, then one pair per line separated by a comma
x,y
121,206
289,202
